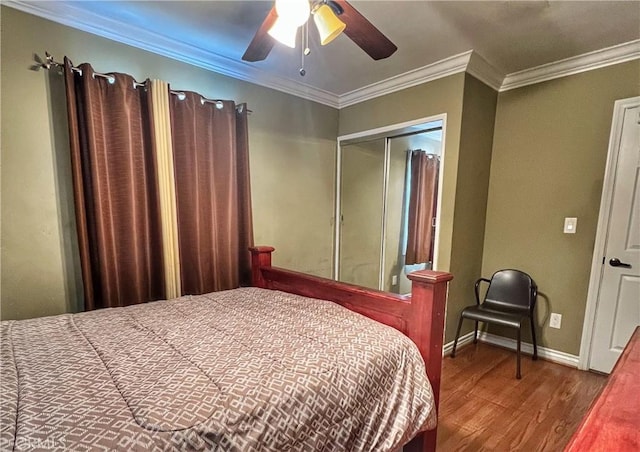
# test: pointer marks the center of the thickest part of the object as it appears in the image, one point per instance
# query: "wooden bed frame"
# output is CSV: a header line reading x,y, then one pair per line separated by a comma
x,y
419,316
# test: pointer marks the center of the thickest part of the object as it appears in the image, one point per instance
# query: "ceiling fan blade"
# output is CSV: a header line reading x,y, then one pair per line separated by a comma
x,y
364,33
262,42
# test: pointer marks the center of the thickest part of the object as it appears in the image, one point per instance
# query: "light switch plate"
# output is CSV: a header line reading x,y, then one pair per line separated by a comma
x,y
570,225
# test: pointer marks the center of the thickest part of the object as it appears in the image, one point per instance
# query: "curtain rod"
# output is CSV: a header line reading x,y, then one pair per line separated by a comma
x,y
50,62
430,154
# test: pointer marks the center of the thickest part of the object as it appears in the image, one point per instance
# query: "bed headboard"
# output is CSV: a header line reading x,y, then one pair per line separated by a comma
x,y
420,316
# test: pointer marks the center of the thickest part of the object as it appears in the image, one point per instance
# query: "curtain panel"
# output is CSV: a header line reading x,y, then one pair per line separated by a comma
x,y
115,189
166,187
423,198
212,192
161,188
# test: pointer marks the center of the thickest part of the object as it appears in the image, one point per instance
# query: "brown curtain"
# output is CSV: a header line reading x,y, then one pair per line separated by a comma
x,y
212,193
422,207
115,189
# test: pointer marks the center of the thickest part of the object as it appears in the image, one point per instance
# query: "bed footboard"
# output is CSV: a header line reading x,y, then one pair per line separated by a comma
x,y
419,316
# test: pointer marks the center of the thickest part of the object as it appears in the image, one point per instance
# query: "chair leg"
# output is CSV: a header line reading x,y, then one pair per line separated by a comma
x,y
455,341
518,375
533,336
475,333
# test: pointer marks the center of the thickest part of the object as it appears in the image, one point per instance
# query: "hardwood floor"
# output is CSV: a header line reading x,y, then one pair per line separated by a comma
x,y
483,407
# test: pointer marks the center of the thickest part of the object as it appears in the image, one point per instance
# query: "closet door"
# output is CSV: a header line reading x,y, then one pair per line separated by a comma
x,y
362,202
393,277
394,271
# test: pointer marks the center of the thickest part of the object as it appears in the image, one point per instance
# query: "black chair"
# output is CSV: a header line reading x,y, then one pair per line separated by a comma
x,y
510,299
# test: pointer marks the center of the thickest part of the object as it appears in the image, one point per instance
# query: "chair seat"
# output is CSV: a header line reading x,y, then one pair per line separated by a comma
x,y
479,313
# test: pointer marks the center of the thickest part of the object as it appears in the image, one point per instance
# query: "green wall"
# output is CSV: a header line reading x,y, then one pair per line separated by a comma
x,y
292,152
470,109
437,97
474,163
548,163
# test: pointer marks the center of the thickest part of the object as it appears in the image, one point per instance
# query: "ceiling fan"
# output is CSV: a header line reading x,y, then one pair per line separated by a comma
x,y
331,17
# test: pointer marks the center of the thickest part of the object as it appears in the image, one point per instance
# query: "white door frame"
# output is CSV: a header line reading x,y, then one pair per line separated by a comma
x,y
603,224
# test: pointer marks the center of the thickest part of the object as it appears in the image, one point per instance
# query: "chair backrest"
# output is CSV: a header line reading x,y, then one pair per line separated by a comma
x,y
511,290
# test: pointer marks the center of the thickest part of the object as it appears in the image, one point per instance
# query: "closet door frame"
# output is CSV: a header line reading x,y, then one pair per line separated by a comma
x,y
386,132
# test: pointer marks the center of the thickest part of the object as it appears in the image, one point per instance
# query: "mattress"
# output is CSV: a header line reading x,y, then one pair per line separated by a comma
x,y
241,370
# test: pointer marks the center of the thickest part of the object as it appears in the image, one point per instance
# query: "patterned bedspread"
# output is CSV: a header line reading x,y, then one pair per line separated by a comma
x,y
242,370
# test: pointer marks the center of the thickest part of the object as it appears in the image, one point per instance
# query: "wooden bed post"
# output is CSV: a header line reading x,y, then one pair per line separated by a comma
x,y
260,258
430,290
429,296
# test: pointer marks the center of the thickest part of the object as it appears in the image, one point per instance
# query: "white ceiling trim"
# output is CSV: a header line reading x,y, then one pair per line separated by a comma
x,y
67,14
470,61
443,68
484,71
574,65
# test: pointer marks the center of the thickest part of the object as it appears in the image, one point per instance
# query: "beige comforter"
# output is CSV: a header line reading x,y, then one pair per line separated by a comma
x,y
242,370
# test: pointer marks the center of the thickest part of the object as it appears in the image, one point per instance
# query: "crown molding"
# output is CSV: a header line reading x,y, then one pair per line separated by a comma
x,y
484,71
586,62
67,14
443,68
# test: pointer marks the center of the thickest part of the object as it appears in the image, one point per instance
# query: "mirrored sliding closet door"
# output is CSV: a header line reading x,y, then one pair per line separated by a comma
x,y
387,205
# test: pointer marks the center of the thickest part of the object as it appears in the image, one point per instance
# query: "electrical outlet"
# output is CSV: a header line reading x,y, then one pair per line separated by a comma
x,y
394,280
555,320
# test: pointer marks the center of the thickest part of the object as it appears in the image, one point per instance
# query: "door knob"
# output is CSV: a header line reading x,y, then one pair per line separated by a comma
x,y
615,262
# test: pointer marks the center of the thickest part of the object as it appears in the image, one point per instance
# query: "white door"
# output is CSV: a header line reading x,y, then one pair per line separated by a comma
x,y
618,302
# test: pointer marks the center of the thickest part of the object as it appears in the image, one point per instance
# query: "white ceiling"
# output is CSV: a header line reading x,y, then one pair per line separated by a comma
x,y
506,36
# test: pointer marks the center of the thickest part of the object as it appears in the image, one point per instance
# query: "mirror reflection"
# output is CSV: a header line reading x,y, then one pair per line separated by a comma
x,y
387,200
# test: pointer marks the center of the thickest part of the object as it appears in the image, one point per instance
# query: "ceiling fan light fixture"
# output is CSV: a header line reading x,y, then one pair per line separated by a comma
x,y
328,24
284,32
293,12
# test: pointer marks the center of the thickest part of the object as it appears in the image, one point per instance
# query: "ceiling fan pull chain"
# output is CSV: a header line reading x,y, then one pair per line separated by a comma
x,y
305,47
